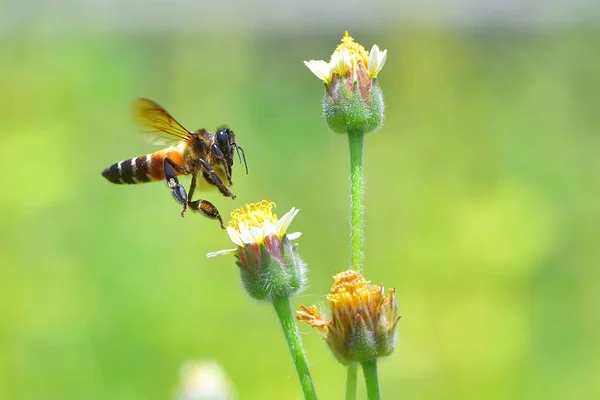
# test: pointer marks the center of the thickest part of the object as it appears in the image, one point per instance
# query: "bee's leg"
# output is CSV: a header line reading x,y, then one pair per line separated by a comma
x,y
210,172
207,209
221,160
177,190
192,186
202,206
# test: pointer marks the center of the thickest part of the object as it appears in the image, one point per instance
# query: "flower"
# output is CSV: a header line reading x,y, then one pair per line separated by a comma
x,y
255,222
376,61
353,100
363,321
269,263
203,381
349,57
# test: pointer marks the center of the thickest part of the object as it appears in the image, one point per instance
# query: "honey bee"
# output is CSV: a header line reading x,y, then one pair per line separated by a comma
x,y
203,153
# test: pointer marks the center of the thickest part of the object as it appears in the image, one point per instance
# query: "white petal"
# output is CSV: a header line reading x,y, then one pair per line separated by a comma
x,y
257,234
340,62
285,219
281,222
294,235
320,68
376,60
269,229
245,233
247,237
284,223
243,227
235,236
220,253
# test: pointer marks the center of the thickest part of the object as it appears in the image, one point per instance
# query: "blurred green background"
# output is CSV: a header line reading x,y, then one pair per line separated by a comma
x,y
482,209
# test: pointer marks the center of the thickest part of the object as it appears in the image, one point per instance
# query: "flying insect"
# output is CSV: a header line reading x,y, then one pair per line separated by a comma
x,y
204,155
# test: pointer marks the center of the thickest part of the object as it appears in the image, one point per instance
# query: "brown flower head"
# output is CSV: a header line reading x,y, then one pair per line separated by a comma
x,y
363,321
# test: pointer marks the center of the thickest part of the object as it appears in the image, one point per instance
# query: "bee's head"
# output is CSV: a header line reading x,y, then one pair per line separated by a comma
x,y
225,140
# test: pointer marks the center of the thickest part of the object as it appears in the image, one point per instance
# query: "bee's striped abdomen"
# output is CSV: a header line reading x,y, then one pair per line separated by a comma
x,y
134,170
144,168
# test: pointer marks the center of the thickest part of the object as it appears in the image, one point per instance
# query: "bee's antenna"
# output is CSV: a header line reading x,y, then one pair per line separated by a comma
x,y
238,148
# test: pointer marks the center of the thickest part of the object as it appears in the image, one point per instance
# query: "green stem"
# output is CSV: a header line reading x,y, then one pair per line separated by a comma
x,y
351,382
357,190
292,336
370,371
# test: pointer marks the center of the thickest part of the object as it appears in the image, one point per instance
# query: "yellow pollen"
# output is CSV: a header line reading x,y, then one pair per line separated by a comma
x,y
357,51
351,290
254,214
349,286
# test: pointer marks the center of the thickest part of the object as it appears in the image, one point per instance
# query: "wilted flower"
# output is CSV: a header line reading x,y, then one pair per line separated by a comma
x,y
363,321
269,264
353,99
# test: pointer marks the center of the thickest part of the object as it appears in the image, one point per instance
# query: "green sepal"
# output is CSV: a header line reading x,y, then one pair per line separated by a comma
x,y
272,277
347,110
361,345
365,344
385,340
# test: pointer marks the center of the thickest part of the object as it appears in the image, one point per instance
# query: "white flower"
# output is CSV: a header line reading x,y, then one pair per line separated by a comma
x,y
320,68
340,62
348,56
250,225
376,61
203,381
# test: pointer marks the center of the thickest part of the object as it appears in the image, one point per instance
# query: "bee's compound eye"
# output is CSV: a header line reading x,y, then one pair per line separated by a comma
x,y
223,138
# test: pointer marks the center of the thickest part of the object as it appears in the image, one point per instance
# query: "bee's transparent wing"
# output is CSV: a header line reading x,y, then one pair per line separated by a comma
x,y
158,125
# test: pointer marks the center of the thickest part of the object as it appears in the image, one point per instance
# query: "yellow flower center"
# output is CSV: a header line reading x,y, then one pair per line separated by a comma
x,y
351,289
254,214
357,51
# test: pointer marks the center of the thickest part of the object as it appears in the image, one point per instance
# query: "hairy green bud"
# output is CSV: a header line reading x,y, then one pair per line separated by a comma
x,y
271,270
353,100
270,266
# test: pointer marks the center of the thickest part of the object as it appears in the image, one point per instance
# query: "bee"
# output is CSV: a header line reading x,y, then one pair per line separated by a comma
x,y
203,155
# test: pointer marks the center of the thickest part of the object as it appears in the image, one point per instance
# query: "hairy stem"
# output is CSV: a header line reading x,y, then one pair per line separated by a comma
x,y
351,382
370,371
292,336
357,190
357,225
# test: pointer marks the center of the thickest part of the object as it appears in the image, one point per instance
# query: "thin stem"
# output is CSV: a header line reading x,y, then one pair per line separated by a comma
x,y
370,372
357,190
351,382
292,336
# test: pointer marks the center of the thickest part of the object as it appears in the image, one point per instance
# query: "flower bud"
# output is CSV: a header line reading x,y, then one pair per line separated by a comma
x,y
353,100
270,266
363,321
